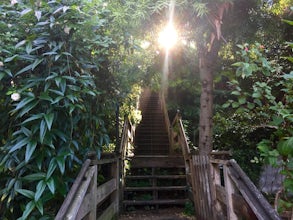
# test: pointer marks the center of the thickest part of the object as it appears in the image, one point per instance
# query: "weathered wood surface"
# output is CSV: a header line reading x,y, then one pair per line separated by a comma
x,y
202,187
85,196
262,209
73,191
157,161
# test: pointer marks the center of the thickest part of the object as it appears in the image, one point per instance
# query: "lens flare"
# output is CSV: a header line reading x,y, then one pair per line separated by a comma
x,y
168,37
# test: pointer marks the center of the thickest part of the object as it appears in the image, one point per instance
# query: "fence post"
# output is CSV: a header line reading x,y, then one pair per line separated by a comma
x,y
115,194
229,188
216,180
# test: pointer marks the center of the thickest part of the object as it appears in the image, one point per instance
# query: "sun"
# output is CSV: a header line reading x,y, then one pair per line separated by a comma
x,y
168,36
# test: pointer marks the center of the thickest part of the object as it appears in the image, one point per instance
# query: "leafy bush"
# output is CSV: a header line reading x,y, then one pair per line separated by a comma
x,y
265,91
55,90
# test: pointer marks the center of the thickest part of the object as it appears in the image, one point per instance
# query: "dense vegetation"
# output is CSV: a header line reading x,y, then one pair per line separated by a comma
x,y
65,66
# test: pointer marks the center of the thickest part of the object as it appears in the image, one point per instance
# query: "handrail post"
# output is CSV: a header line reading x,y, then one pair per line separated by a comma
x,y
115,194
229,188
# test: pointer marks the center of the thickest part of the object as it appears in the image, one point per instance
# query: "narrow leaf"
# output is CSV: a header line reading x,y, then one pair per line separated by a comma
x,y
28,209
19,145
49,120
30,148
26,193
27,108
29,67
51,185
51,168
40,207
43,130
40,189
32,118
36,63
34,177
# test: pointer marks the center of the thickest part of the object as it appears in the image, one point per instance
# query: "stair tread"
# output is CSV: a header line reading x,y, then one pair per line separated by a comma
x,y
176,176
155,202
151,188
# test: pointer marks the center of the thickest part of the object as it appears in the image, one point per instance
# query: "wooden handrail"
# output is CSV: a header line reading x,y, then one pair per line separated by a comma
x,y
236,191
73,191
85,195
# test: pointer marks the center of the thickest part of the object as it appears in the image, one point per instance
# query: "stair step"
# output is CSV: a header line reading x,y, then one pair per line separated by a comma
x,y
152,188
156,177
162,161
156,202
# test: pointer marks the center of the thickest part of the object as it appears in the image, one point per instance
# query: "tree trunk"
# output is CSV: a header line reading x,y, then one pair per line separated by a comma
x,y
206,103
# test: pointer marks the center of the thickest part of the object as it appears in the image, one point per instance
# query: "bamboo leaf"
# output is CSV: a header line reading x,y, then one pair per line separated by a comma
x,y
34,177
27,108
30,148
19,145
51,168
51,185
27,193
28,209
40,189
43,130
40,207
49,120
29,67
32,118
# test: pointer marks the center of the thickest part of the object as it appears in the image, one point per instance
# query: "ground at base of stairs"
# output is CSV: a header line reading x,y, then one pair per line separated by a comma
x,y
173,213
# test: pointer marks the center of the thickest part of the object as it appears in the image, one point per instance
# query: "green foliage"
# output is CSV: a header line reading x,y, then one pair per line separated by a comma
x,y
257,92
55,92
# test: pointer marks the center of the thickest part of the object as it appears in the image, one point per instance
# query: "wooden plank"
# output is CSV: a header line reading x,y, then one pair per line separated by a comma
x,y
203,200
157,177
67,202
229,188
159,188
110,212
89,203
262,209
105,190
80,194
164,162
156,202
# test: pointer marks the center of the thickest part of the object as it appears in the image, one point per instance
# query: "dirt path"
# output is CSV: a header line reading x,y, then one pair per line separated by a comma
x,y
161,214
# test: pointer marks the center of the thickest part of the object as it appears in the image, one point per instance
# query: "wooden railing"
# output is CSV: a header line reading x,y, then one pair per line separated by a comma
x,y
86,197
232,194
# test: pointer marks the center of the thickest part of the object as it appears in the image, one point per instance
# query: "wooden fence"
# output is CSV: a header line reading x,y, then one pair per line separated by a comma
x,y
88,200
220,188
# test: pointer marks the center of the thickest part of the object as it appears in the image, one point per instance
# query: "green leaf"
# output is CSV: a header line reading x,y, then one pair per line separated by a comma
x,y
20,43
32,118
2,76
27,108
235,105
40,189
51,168
27,193
28,209
45,96
43,130
29,67
49,120
36,63
10,58
24,102
30,148
61,164
242,100
51,185
19,144
40,207
34,177
226,105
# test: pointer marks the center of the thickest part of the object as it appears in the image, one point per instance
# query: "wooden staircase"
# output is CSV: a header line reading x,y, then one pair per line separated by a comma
x,y
155,178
